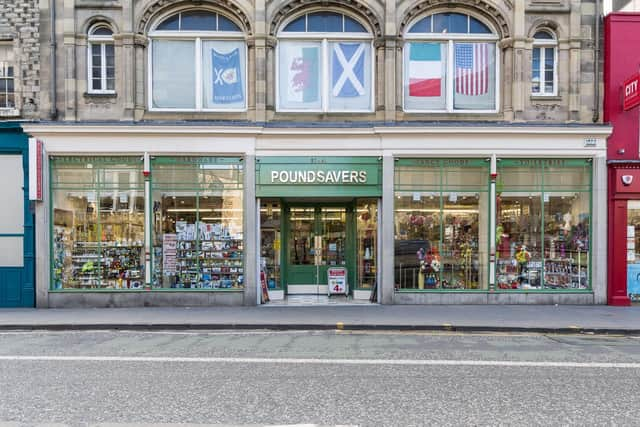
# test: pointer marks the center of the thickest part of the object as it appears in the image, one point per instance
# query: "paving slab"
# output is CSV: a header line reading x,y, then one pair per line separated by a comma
x,y
538,318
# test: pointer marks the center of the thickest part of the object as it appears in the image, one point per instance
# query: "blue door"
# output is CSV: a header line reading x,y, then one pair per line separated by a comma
x,y
16,221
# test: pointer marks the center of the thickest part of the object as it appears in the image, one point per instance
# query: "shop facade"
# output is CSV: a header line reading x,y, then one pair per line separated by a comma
x,y
505,214
621,110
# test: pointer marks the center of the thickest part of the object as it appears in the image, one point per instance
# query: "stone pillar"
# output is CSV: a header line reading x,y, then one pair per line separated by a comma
x,y
42,245
140,67
127,82
387,276
506,78
599,223
259,59
387,80
250,232
69,52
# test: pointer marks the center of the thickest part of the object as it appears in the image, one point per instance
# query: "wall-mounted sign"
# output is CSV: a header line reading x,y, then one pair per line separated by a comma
x,y
630,93
318,177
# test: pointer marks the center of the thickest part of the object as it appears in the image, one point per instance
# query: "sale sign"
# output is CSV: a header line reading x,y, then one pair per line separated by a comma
x,y
631,95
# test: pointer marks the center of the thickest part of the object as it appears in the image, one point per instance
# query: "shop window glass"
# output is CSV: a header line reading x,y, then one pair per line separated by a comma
x,y
98,223
441,224
633,248
367,229
197,223
543,224
271,242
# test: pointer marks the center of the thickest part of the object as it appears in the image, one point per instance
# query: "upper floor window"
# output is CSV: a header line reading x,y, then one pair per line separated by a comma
x,y
324,64
7,77
101,60
198,62
450,65
544,79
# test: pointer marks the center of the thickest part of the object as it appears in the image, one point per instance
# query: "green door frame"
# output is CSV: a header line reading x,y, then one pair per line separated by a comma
x,y
350,246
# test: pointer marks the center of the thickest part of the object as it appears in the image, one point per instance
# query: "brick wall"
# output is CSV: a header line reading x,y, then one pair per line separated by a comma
x,y
19,23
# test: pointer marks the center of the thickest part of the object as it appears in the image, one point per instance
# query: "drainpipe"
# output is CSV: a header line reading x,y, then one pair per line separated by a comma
x,y
596,55
52,44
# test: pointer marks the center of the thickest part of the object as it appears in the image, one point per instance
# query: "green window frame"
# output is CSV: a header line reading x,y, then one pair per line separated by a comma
x,y
550,181
201,276
431,178
66,250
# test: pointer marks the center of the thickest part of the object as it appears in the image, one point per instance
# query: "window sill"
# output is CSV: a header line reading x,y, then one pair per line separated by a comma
x,y
9,112
546,98
107,95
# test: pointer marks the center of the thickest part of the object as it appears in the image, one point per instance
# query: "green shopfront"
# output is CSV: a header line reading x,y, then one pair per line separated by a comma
x,y
318,213
220,230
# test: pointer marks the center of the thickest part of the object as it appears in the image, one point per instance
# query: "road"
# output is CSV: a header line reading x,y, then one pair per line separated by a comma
x,y
322,378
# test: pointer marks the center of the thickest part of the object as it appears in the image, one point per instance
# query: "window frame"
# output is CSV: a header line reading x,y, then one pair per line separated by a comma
x,y
543,44
197,37
6,65
450,39
102,41
324,38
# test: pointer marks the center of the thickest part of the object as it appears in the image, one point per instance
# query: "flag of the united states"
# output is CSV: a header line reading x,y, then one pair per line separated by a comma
x,y
472,68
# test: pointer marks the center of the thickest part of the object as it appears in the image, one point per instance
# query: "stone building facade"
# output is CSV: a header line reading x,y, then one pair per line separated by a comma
x,y
573,21
20,58
408,151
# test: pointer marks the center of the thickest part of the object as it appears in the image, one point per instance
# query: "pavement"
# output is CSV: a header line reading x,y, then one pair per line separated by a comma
x,y
464,318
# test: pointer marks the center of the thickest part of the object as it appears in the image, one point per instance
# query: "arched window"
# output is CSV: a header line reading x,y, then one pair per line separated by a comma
x,y
198,62
325,64
101,65
450,65
544,75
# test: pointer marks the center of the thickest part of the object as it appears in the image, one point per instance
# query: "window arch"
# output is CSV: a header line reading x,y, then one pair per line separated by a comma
x,y
544,64
212,53
325,64
101,67
450,64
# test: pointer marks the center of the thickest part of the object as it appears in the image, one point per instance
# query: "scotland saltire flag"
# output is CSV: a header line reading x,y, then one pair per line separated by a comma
x,y
348,70
227,81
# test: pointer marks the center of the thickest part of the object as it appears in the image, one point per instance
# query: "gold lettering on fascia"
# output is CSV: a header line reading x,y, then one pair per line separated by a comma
x,y
319,177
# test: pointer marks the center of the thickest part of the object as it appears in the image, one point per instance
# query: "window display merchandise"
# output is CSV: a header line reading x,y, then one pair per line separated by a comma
x,y
97,223
270,242
441,224
543,224
197,223
367,228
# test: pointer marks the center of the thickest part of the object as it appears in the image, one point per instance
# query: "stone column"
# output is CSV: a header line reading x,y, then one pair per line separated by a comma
x,y
139,75
250,232
387,276
42,242
387,79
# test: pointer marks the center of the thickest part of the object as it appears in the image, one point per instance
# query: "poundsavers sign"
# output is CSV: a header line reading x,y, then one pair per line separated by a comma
x,y
318,177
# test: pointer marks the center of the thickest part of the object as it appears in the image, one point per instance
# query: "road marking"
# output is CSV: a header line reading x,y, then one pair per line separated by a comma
x,y
299,361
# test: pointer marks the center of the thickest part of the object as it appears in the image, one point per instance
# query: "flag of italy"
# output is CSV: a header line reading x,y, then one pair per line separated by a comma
x,y
425,69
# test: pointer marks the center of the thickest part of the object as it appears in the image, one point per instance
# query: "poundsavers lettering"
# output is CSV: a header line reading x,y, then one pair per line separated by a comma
x,y
319,177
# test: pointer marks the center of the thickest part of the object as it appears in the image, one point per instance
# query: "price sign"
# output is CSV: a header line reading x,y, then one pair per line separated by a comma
x,y
337,280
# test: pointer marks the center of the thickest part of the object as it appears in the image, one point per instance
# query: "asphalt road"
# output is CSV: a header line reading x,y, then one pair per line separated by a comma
x,y
323,378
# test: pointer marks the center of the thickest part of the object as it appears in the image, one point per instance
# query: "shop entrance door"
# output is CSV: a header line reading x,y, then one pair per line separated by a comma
x,y
316,239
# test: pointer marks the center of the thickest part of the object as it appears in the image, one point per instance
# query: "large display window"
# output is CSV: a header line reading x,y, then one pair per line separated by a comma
x,y
441,224
97,214
197,207
543,224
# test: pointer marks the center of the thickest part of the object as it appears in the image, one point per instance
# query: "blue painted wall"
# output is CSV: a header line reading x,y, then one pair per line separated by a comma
x,y
17,284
